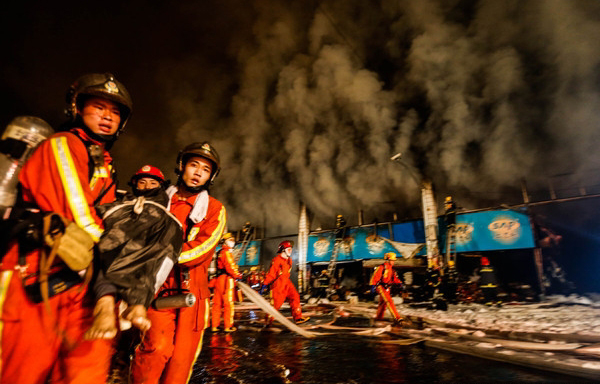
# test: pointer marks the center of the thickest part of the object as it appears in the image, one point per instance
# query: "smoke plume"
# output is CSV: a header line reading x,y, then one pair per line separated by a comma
x,y
307,101
475,95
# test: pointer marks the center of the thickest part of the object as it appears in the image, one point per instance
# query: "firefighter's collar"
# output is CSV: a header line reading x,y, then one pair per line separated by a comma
x,y
199,208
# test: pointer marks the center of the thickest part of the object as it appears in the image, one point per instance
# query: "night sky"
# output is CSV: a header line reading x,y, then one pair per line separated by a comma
x,y
308,100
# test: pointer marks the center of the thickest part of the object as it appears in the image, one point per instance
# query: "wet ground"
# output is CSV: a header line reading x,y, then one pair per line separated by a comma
x,y
255,355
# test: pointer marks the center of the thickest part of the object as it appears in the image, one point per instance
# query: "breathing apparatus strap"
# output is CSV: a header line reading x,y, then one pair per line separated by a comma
x,y
96,159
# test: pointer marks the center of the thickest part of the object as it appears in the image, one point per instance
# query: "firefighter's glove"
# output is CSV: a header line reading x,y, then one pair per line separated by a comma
x,y
75,246
263,288
373,289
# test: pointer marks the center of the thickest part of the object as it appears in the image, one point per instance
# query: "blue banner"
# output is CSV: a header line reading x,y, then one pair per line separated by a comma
x,y
251,255
476,232
491,231
356,244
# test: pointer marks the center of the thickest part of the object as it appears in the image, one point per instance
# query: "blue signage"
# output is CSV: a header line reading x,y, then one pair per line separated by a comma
x,y
356,244
476,232
491,231
251,254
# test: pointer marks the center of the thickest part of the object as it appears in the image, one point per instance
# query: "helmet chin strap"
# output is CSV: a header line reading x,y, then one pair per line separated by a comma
x,y
102,138
198,189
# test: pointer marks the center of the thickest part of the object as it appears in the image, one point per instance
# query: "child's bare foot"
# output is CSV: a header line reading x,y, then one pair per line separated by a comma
x,y
137,315
105,322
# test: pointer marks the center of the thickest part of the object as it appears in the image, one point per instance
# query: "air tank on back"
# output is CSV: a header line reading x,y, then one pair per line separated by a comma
x,y
18,141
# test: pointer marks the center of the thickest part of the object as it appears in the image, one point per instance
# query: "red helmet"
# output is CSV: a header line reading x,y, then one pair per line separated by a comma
x,y
148,171
283,245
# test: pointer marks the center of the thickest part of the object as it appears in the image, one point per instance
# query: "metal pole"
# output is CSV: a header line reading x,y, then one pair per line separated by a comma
x,y
429,211
524,192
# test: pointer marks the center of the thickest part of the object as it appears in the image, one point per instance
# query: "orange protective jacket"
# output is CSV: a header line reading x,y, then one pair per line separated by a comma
x,y
227,271
385,274
279,273
199,245
56,178
383,278
282,287
226,263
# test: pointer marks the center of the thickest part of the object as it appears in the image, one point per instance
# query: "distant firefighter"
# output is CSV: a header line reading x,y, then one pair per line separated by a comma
x,y
253,279
224,283
283,289
433,281
381,282
450,282
450,212
488,283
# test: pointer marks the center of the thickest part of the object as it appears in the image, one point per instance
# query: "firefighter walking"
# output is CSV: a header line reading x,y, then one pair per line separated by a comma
x,y
381,282
282,287
488,282
43,298
224,284
170,347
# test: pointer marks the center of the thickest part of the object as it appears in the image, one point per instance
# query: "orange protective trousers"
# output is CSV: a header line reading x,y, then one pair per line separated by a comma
x,y
38,344
385,301
171,346
223,298
283,291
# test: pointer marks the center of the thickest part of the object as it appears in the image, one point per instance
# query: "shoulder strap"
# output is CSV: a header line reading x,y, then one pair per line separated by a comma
x,y
96,157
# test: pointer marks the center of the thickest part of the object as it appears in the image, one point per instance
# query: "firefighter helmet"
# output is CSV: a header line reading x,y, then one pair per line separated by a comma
x,y
390,256
227,236
340,221
204,150
148,171
283,245
102,85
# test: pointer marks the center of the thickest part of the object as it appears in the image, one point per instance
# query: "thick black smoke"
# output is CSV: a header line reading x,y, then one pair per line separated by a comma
x,y
476,95
307,101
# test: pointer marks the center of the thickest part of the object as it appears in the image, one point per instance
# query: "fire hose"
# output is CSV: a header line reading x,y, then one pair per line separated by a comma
x,y
257,299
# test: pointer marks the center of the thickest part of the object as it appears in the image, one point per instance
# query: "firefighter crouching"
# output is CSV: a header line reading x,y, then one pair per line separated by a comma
x,y
43,297
224,284
170,347
282,287
381,282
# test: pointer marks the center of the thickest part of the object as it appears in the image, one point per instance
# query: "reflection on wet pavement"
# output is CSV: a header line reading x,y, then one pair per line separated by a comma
x,y
273,355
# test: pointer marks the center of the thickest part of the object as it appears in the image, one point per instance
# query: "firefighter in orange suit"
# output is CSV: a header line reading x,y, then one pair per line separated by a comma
x,y
381,281
283,289
43,325
171,346
224,283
